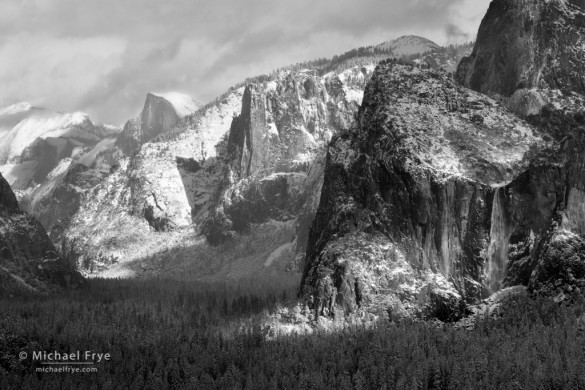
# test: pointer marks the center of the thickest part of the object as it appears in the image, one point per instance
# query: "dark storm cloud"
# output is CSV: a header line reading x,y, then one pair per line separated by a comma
x,y
120,49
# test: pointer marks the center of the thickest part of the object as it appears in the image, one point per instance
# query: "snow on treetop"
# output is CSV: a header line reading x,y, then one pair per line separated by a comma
x,y
183,104
408,45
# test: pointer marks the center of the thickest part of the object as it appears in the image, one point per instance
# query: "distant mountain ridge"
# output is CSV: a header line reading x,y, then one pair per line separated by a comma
x,y
407,45
33,140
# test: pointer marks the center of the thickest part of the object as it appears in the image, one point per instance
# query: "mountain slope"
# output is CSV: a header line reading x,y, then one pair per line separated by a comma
x,y
28,259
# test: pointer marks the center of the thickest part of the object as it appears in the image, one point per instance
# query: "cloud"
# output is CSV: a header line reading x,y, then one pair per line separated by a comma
x,y
53,72
103,56
455,33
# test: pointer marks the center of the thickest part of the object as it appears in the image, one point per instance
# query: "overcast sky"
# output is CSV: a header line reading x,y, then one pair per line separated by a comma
x,y
103,56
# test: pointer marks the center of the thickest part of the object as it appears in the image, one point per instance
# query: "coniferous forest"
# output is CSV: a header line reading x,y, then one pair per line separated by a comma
x,y
164,335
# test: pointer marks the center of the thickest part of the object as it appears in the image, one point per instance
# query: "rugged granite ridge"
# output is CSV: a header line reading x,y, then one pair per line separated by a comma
x,y
276,151
523,44
403,225
160,113
28,259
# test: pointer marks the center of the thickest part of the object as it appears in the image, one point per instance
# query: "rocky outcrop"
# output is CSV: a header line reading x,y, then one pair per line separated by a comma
x,y
28,259
523,44
160,114
403,225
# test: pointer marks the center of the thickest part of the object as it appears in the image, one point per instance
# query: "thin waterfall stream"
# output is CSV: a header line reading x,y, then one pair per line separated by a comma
x,y
497,255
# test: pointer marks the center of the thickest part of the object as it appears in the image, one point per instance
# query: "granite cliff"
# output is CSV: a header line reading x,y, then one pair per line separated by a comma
x,y
442,195
524,46
403,224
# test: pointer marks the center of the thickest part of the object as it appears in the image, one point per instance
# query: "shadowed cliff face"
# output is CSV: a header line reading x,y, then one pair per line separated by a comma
x,y
545,206
28,259
404,219
524,44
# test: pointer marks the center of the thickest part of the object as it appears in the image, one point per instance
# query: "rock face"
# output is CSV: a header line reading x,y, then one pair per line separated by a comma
x,y
276,151
523,44
161,112
404,220
28,259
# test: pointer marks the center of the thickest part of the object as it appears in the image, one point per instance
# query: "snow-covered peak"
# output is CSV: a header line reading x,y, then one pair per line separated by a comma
x,y
41,124
75,118
15,108
183,104
408,45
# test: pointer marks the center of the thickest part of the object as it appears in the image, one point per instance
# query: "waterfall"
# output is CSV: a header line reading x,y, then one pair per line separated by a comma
x,y
497,255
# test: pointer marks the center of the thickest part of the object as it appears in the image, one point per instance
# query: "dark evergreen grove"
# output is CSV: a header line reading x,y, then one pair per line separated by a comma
x,y
169,335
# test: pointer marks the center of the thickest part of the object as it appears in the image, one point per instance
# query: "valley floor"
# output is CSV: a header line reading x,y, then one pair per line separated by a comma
x,y
165,333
